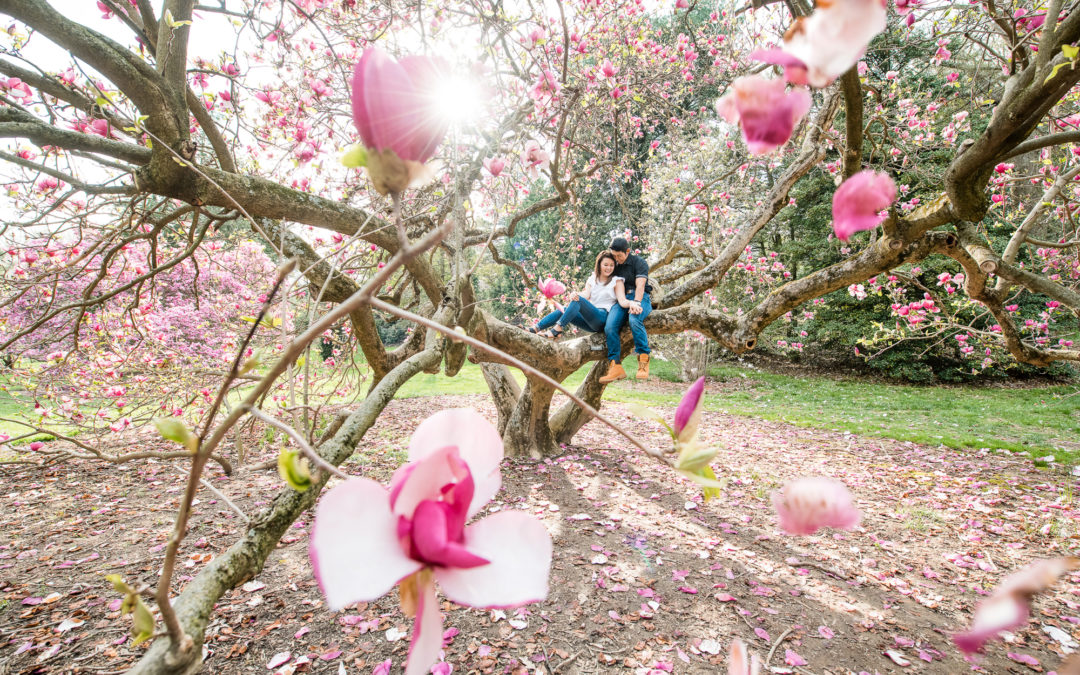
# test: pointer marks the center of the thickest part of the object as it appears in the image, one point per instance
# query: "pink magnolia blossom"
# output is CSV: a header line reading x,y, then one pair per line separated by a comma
x,y
682,4
765,110
905,6
367,539
740,661
688,414
834,37
534,157
495,166
18,89
268,97
397,116
806,505
607,69
1009,606
859,200
1028,20
547,86
391,106
550,288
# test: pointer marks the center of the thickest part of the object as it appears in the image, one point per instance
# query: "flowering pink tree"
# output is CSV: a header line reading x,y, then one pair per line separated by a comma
x,y
137,165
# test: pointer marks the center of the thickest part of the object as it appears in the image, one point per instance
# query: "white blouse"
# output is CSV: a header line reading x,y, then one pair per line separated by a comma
x,y
602,296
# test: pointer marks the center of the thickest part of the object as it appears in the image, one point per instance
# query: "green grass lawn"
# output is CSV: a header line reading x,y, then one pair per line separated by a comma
x,y
1042,420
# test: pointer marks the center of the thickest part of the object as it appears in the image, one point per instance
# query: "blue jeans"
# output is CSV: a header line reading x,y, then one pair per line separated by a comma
x,y
581,313
617,317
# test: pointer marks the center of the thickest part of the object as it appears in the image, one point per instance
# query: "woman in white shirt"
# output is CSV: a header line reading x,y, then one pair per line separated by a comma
x,y
587,309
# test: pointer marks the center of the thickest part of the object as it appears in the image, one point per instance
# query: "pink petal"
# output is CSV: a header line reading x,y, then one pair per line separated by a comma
x,y
1009,606
808,504
794,68
429,534
857,203
993,615
427,632
519,548
792,658
478,443
426,73
766,110
688,414
425,479
1026,659
740,661
1038,576
359,109
354,547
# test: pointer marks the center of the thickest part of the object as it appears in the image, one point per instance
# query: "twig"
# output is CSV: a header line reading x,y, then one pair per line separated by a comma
x,y
777,644
568,661
308,451
182,643
221,495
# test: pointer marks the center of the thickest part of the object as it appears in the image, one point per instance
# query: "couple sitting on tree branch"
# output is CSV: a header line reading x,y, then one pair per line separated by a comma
x,y
616,292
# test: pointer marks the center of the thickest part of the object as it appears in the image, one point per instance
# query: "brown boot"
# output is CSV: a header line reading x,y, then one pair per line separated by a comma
x,y
614,372
642,366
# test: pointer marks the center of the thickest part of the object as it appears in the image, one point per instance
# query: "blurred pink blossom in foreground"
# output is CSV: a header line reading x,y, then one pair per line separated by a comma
x,y
740,662
806,505
765,110
397,116
857,203
367,539
1009,606
834,37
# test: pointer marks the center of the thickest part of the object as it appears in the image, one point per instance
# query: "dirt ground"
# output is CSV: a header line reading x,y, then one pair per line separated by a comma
x,y
646,578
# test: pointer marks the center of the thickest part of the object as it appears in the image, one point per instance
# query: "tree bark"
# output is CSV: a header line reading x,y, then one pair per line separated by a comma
x,y
527,432
504,390
569,419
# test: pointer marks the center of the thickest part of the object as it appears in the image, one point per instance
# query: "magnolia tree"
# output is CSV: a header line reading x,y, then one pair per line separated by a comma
x,y
177,215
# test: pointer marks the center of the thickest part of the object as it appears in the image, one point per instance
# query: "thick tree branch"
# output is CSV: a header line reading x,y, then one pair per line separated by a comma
x,y
17,124
853,122
135,77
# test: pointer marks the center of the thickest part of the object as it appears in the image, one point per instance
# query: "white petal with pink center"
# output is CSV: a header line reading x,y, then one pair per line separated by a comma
x,y
354,547
834,37
426,640
478,443
519,548
425,479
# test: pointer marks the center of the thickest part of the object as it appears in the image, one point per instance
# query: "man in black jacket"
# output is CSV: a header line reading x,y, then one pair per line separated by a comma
x,y
632,290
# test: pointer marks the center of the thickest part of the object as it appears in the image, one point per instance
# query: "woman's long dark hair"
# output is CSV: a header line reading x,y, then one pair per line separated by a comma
x,y
596,268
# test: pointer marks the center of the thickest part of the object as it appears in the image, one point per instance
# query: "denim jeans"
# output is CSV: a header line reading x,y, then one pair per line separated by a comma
x,y
581,313
617,317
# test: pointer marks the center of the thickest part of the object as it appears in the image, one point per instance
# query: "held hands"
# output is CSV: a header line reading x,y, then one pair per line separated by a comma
x,y
635,307
574,296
